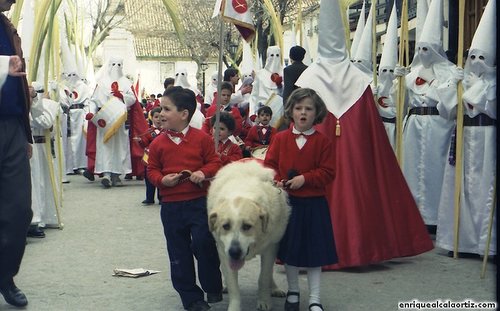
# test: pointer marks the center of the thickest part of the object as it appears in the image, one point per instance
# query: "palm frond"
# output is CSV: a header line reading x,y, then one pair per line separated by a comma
x,y
277,28
16,13
173,12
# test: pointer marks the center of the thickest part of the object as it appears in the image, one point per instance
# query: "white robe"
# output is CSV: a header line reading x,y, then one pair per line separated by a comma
x,y
387,93
263,89
478,179
77,140
114,155
426,139
43,203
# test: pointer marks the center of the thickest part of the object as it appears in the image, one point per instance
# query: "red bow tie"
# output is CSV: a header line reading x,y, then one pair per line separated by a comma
x,y
176,134
260,127
420,81
297,135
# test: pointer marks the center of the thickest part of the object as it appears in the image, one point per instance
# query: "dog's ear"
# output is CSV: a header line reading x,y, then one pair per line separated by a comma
x,y
212,218
264,218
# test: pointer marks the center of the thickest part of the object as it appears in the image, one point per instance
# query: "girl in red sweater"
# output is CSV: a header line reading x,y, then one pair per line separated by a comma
x,y
304,160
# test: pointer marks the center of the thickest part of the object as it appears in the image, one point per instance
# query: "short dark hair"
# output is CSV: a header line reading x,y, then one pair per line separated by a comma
x,y
297,53
158,95
301,93
266,110
226,118
229,73
168,82
152,96
226,86
182,99
155,110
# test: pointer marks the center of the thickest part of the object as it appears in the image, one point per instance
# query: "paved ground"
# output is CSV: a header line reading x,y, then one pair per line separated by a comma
x,y
71,269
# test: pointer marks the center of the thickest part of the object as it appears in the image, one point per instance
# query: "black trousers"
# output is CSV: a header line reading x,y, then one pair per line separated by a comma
x,y
15,197
150,188
185,226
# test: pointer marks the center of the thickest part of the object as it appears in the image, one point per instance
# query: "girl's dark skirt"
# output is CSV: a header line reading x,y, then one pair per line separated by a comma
x,y
308,239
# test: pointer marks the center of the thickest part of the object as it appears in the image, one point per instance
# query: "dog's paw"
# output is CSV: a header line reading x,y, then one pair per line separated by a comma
x,y
264,305
276,292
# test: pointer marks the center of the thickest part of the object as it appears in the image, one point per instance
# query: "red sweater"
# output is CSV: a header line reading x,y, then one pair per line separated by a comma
x,y
235,112
229,152
316,161
147,138
255,137
195,152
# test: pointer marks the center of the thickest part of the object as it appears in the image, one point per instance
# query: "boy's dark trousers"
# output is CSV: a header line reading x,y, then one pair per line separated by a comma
x,y
150,188
185,226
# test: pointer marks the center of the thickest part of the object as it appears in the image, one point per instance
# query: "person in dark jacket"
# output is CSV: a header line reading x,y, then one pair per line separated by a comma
x,y
15,151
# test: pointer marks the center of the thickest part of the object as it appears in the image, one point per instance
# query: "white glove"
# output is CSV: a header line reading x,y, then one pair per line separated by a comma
x,y
472,78
457,75
53,85
37,86
400,71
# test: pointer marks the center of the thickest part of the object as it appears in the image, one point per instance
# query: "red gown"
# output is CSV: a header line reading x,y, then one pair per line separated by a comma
x,y
373,211
138,126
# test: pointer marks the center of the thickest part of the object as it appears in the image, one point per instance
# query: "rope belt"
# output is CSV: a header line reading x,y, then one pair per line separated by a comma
x,y
479,120
424,111
388,120
76,106
39,139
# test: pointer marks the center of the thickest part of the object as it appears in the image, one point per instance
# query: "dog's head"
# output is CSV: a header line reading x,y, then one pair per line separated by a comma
x,y
238,224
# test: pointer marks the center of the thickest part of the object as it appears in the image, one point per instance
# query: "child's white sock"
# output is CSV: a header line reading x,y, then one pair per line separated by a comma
x,y
292,277
314,280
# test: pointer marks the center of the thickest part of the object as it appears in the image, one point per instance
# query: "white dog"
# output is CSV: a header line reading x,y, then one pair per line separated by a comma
x,y
248,216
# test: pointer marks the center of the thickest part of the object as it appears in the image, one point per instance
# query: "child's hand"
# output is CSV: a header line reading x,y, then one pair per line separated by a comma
x,y
170,180
296,182
197,177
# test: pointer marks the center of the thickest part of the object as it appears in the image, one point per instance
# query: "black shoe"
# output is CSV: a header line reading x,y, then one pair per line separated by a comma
x,y
106,182
464,255
199,306
214,297
128,177
139,178
13,295
431,229
35,231
147,202
292,306
316,305
87,174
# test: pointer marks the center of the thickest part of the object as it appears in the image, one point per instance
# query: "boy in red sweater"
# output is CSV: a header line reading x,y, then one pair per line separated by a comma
x,y
261,134
144,140
227,150
226,92
179,162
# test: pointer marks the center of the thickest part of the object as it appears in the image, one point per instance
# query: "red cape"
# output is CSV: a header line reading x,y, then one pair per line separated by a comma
x,y
138,126
374,215
90,146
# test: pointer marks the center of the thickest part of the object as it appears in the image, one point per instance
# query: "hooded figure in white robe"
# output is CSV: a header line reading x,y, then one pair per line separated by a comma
x,y
268,86
387,86
477,198
113,92
432,96
181,79
42,117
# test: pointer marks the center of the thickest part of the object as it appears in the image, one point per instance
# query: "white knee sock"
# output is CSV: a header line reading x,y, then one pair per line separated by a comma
x,y
292,277
314,280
